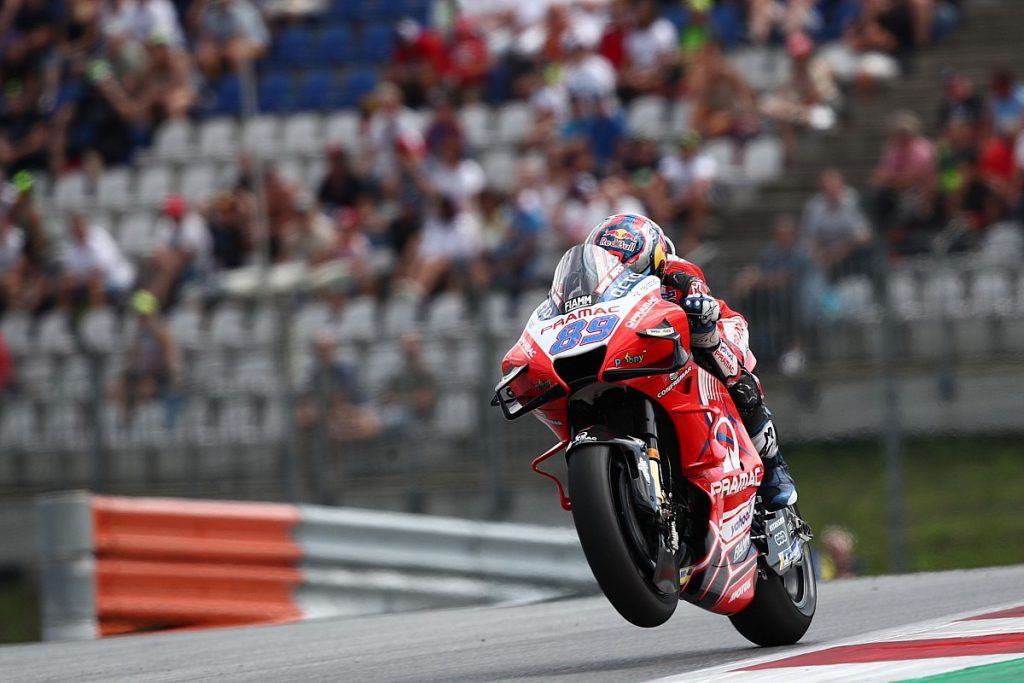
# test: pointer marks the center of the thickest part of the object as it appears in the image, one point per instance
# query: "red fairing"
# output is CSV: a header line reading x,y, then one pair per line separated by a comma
x,y
715,452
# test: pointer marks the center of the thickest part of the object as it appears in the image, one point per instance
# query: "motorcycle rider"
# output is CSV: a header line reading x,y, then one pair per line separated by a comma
x,y
718,335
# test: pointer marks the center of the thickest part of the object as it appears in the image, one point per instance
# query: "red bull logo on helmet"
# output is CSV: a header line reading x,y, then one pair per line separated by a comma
x,y
622,240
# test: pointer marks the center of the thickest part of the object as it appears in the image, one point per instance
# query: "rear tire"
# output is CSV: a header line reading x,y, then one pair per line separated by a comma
x,y
783,606
608,528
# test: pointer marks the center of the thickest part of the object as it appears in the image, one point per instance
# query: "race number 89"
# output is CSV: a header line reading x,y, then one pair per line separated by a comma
x,y
572,335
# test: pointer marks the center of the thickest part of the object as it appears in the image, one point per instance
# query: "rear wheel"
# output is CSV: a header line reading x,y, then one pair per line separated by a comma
x,y
621,547
783,606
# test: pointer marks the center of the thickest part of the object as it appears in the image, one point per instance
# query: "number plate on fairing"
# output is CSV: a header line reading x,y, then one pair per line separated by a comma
x,y
583,328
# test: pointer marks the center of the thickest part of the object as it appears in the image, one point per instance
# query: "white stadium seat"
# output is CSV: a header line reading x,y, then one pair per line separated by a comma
x,y
255,373
399,316
990,293
186,325
227,326
764,69
200,181
904,294
70,191
475,120
114,190
500,168
681,117
342,128
857,295
410,119
310,320
723,152
17,330
313,173
945,293
763,159
136,234
646,117
53,334
514,119
358,321
265,327
260,135
302,135
76,379
154,184
292,169
447,313
217,138
173,141
98,328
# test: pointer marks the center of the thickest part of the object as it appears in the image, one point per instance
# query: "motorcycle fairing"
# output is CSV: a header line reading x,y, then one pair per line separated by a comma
x,y
715,452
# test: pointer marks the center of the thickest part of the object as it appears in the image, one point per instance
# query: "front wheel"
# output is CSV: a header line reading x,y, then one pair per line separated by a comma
x,y
783,606
621,548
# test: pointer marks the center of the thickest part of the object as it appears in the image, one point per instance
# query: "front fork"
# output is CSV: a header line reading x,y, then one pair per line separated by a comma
x,y
666,512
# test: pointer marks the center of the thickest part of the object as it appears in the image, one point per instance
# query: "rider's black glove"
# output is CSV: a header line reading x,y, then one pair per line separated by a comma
x,y
680,281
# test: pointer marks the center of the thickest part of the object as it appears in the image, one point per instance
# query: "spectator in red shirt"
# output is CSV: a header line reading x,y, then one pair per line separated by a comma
x,y
997,169
419,62
469,59
613,43
996,159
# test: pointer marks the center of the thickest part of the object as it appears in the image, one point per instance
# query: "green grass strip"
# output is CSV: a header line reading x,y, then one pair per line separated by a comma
x,y
1003,672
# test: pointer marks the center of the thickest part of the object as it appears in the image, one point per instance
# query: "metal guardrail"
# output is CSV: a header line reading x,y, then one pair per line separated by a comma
x,y
117,565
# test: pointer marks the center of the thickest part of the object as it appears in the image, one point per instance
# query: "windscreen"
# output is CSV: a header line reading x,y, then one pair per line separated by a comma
x,y
582,277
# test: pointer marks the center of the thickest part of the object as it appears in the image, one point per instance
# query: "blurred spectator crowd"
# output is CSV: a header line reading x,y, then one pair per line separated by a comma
x,y
405,207
594,106
943,191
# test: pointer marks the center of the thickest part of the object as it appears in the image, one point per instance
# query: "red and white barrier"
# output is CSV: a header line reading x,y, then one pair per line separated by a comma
x,y
113,565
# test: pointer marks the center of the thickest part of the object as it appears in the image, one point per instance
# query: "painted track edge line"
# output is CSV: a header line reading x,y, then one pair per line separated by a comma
x,y
710,673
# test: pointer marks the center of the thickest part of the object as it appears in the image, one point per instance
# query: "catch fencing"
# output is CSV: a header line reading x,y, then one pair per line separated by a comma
x,y
237,422
114,565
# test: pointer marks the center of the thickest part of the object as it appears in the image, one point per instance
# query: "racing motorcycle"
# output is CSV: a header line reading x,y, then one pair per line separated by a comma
x,y
662,477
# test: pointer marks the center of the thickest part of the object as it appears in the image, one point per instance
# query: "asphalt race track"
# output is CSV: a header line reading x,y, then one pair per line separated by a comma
x,y
571,640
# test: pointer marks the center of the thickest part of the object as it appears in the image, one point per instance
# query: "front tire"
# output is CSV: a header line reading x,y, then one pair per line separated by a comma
x,y
615,541
783,606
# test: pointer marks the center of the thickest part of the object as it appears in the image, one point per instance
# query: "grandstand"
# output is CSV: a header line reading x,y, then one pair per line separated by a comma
x,y
266,136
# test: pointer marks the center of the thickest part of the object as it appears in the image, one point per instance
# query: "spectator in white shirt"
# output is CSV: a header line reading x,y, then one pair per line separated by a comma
x,y
12,244
450,245
93,269
388,128
834,229
231,32
144,18
684,184
456,177
587,74
651,52
184,250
